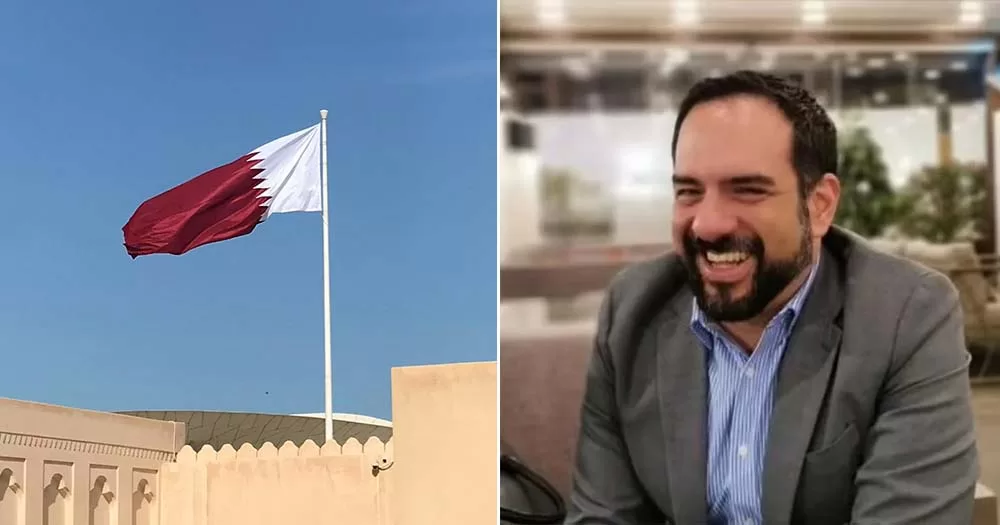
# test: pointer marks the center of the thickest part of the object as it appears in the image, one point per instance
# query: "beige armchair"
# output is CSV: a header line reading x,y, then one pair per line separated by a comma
x,y
541,390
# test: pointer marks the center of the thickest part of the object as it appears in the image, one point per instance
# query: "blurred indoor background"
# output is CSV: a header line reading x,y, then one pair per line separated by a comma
x,y
589,90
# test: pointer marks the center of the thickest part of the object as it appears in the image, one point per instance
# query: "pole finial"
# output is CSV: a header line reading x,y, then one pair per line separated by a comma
x,y
322,113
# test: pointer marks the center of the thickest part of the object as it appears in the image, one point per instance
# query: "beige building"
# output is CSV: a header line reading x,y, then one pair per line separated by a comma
x,y
237,428
65,466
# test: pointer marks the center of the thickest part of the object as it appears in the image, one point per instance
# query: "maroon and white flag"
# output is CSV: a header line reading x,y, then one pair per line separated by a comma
x,y
282,176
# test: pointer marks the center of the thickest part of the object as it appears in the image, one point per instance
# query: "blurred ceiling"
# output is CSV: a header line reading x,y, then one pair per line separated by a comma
x,y
598,18
854,63
635,80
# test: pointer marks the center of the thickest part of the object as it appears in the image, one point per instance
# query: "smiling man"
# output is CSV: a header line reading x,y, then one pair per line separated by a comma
x,y
775,369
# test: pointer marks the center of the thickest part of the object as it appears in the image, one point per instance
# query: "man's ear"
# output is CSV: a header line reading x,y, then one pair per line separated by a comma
x,y
823,201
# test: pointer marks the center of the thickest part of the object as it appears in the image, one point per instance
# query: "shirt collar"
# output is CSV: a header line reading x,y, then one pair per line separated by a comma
x,y
787,316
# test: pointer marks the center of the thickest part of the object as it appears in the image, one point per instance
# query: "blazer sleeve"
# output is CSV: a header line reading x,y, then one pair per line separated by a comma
x,y
605,490
921,463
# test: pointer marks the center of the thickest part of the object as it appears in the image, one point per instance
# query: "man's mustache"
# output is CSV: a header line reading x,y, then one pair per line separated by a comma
x,y
727,243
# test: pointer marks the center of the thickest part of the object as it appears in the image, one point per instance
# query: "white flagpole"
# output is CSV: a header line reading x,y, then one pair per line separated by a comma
x,y
326,278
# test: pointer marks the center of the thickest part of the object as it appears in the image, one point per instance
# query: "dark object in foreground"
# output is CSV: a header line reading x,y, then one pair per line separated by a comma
x,y
526,498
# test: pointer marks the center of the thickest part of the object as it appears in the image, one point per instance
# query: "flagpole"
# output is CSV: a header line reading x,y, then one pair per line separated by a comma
x,y
326,278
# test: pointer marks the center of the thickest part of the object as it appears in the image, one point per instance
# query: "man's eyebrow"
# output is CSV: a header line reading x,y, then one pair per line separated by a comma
x,y
758,179
753,178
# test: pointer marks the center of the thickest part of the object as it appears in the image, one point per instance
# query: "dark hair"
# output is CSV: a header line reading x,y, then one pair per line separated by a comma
x,y
814,136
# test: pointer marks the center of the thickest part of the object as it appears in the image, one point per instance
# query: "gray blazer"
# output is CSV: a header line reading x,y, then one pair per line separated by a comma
x,y
872,419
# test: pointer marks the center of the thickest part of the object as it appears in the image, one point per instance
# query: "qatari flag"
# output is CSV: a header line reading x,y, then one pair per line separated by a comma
x,y
282,176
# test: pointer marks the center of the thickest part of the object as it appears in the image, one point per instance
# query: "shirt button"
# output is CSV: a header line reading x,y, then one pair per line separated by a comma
x,y
749,372
742,451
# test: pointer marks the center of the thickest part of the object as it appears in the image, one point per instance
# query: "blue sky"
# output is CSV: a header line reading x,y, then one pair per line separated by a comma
x,y
105,104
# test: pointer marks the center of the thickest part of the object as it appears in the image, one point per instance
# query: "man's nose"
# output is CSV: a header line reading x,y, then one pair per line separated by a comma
x,y
712,221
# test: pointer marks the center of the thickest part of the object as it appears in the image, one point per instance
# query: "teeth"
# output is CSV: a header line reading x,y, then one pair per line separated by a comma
x,y
726,257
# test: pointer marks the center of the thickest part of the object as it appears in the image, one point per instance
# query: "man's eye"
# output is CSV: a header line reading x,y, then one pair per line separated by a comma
x,y
751,191
686,192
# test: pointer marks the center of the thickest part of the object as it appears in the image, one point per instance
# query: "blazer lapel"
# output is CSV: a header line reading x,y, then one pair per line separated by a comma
x,y
802,383
682,383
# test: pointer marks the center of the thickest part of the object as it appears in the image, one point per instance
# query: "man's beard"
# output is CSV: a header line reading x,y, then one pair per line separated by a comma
x,y
770,277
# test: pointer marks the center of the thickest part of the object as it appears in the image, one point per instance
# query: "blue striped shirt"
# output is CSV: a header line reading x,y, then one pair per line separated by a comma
x,y
740,397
